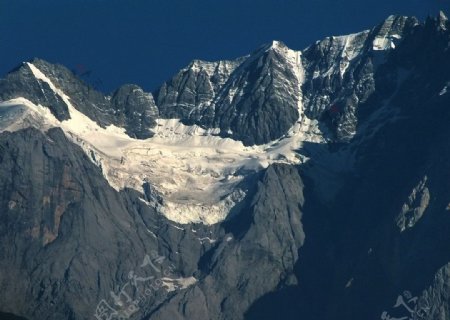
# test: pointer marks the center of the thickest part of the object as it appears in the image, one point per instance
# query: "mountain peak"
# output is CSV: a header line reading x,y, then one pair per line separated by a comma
x,y
391,30
277,46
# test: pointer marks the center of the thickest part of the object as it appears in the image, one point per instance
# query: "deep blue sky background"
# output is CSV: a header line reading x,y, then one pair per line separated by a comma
x,y
146,42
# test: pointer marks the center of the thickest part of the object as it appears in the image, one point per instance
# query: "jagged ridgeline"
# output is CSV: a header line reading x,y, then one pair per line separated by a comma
x,y
285,184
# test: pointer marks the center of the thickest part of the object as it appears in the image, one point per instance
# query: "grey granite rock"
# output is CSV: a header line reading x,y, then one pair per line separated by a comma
x,y
68,238
246,264
129,107
347,77
135,110
21,82
253,99
194,87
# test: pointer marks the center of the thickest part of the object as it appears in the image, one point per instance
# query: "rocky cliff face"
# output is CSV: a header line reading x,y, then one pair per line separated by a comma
x,y
129,106
194,87
60,214
253,99
134,110
347,75
329,169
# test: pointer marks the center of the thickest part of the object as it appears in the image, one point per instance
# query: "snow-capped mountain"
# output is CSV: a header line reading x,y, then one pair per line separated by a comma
x,y
283,184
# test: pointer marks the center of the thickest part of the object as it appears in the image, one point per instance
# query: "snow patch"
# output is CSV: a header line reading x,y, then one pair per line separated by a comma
x,y
207,239
384,43
351,49
177,284
386,38
415,206
344,49
20,113
176,227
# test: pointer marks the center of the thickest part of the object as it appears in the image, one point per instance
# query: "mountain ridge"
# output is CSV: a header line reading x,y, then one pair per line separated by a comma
x,y
307,184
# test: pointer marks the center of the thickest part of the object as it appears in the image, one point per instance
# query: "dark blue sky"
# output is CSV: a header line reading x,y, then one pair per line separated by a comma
x,y
146,42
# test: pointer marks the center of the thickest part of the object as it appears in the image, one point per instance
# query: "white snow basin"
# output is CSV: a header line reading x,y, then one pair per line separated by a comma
x,y
195,172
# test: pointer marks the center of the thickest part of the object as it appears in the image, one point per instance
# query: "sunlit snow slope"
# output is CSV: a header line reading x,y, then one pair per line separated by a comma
x,y
195,172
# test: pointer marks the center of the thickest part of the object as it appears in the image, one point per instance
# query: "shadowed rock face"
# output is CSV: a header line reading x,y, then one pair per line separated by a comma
x,y
135,110
10,316
21,82
356,261
60,215
68,238
345,76
54,202
260,103
194,87
340,236
249,262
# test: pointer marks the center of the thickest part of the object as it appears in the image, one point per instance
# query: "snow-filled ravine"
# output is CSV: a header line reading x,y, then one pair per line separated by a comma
x,y
194,171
